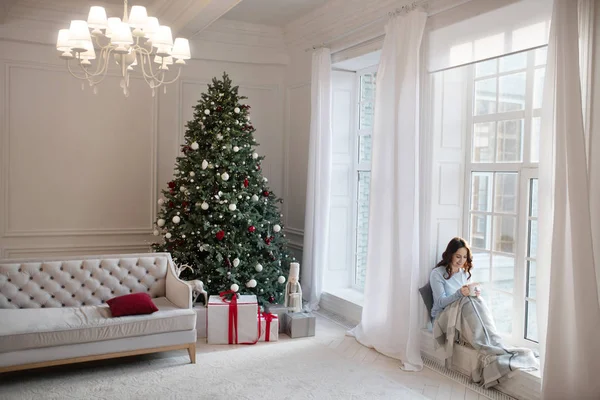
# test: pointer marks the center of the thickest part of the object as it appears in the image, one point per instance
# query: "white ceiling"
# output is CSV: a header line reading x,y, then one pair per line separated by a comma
x,y
272,12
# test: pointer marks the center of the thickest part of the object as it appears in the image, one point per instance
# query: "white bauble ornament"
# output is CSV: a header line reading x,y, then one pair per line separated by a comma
x,y
195,146
176,219
251,283
228,129
220,193
258,267
160,222
219,136
254,197
168,235
161,202
236,149
265,179
155,233
204,205
276,228
192,173
236,110
182,189
225,176
204,164
236,262
254,155
212,103
191,181
239,196
232,207
281,279
234,287
183,236
207,112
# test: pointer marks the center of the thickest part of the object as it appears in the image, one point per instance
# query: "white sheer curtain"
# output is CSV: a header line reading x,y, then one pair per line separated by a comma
x,y
567,307
390,316
318,191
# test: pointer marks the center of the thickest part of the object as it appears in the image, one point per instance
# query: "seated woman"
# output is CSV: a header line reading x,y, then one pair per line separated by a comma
x,y
458,313
449,278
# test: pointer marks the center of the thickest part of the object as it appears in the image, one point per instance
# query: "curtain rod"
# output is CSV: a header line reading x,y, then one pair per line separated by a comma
x,y
403,9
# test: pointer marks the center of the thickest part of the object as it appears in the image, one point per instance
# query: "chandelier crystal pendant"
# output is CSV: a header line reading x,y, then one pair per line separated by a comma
x,y
135,41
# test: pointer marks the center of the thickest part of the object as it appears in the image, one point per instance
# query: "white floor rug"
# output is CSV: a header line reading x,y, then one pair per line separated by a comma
x,y
298,369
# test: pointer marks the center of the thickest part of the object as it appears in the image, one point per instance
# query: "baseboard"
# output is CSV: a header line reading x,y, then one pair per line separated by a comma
x,y
346,309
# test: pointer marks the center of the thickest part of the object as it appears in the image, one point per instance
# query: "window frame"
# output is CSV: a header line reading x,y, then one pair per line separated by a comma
x,y
526,170
358,167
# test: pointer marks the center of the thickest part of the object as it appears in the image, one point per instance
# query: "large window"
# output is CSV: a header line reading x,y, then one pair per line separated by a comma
x,y
362,163
501,175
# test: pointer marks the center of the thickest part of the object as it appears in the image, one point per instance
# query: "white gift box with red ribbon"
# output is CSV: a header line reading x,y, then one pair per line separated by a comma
x,y
269,327
232,320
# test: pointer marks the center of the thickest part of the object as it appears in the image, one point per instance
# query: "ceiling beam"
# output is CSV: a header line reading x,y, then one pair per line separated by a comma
x,y
5,6
191,16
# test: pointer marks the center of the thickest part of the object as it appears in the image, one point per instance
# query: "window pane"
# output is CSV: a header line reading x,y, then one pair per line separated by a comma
x,y
364,148
481,267
512,92
486,68
505,232
485,97
540,56
510,138
501,306
533,197
531,323
536,124
484,135
531,275
367,88
481,191
362,227
366,113
533,235
538,87
505,199
503,272
480,231
513,62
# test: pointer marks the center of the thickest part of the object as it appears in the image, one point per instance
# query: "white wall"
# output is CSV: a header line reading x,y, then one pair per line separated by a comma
x,y
80,173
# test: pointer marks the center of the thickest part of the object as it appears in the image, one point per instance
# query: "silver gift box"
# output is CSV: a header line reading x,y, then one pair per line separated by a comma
x,y
301,324
280,310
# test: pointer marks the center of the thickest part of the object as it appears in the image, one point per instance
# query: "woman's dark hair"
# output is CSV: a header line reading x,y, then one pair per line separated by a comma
x,y
453,246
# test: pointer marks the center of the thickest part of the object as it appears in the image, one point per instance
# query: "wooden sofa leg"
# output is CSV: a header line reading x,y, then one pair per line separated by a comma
x,y
192,353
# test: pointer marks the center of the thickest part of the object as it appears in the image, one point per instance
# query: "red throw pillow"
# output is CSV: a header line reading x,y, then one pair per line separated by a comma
x,y
131,304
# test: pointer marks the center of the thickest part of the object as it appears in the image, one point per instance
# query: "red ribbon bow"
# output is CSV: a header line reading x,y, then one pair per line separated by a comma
x,y
268,318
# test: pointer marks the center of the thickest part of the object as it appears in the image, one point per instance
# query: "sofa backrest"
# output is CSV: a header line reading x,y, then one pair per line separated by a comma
x,y
81,281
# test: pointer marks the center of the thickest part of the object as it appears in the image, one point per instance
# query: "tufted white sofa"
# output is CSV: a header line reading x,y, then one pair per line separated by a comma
x,y
53,311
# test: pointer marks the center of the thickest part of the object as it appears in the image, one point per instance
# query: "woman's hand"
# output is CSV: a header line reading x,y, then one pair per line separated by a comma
x,y
464,290
477,291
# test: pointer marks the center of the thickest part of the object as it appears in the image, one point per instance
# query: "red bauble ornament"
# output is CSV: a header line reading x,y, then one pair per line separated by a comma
x,y
266,193
219,108
251,228
184,204
246,183
268,239
220,235
271,299
227,262
172,185
258,167
170,204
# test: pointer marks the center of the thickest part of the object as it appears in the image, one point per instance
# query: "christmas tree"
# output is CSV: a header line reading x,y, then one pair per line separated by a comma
x,y
219,215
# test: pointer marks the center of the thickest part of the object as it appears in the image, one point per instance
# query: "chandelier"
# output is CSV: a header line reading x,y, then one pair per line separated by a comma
x,y
135,41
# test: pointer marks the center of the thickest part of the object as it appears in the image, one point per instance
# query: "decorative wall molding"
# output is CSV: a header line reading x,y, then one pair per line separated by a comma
x,y
5,134
22,252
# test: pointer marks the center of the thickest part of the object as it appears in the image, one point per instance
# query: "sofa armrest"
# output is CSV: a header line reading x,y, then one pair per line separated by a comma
x,y
177,291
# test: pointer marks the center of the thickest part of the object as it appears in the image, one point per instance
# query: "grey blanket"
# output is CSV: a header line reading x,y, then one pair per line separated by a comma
x,y
468,320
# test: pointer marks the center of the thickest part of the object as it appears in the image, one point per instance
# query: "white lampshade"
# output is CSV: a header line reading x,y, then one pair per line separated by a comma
x,y
163,61
89,54
62,43
138,17
151,27
79,35
181,49
97,18
121,36
112,24
162,37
